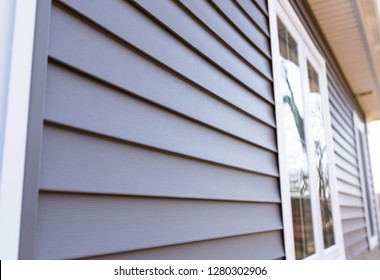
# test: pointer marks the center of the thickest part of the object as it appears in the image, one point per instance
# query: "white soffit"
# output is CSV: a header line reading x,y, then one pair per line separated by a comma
x,y
352,28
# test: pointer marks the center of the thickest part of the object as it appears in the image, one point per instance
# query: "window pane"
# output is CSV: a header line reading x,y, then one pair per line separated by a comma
x,y
319,139
296,154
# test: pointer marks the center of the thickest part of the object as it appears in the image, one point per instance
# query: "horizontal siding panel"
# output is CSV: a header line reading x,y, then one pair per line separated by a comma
x,y
243,25
353,225
63,85
351,212
77,226
217,24
262,4
86,48
343,154
354,237
255,14
340,104
342,129
340,117
348,189
168,13
336,108
344,143
347,166
356,250
350,200
347,177
246,247
346,131
83,163
337,93
118,115
344,138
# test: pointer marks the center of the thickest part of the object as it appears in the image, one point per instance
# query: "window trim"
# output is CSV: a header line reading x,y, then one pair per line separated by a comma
x,y
21,23
282,9
373,241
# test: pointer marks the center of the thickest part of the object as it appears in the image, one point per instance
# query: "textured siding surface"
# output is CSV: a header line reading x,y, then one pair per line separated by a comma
x,y
159,139
349,181
347,171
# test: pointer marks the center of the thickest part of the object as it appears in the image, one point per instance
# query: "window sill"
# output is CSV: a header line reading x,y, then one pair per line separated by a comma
x,y
332,253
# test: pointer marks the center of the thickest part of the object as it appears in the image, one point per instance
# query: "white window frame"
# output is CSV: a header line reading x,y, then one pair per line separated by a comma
x,y
373,241
282,9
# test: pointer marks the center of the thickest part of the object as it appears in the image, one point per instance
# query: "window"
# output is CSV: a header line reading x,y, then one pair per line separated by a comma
x,y
320,155
367,193
304,136
295,142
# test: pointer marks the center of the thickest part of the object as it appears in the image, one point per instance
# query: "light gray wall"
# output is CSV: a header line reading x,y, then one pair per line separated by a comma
x,y
347,170
159,139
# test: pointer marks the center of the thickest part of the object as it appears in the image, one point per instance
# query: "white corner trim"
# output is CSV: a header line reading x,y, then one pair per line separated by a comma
x,y
15,128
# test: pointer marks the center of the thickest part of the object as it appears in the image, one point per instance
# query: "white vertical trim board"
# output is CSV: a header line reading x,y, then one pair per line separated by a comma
x,y
7,8
307,50
373,241
15,126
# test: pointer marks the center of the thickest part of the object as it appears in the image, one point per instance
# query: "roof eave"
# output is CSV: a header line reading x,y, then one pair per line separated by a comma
x,y
352,28
368,13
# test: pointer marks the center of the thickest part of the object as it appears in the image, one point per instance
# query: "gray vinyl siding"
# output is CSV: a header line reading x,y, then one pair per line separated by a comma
x,y
159,135
240,247
347,172
349,182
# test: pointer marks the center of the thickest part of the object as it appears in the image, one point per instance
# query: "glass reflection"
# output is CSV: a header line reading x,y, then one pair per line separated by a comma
x,y
295,141
319,139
